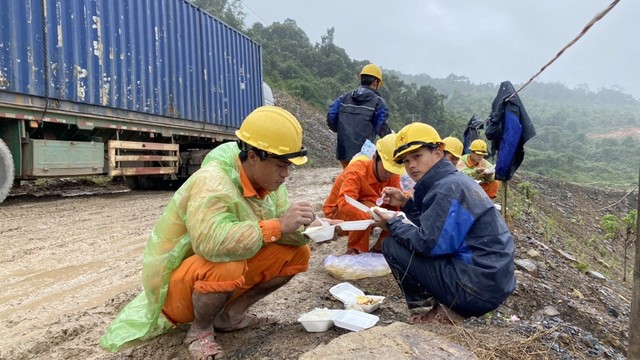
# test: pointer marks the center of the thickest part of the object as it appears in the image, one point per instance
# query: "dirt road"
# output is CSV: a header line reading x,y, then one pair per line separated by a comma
x,y
68,265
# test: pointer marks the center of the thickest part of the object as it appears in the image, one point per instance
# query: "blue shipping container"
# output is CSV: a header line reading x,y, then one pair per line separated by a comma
x,y
160,57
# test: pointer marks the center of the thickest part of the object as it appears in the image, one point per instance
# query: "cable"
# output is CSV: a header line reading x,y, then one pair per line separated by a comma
x,y
264,22
586,28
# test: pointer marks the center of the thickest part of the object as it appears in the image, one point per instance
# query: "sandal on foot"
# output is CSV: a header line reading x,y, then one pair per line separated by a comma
x,y
203,346
249,321
437,314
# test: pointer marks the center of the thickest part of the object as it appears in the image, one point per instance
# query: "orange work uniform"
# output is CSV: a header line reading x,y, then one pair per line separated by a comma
x,y
359,182
196,273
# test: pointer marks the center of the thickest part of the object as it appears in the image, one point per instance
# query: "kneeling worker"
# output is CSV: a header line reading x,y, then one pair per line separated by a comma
x,y
364,180
475,165
228,237
458,257
452,149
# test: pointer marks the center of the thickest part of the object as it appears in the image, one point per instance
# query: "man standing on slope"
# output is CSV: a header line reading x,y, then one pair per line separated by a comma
x,y
359,115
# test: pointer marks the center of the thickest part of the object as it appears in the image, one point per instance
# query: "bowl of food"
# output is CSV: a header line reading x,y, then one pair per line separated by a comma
x,y
366,303
318,320
320,233
355,299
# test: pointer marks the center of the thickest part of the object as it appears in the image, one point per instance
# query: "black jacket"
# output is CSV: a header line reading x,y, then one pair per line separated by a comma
x,y
508,129
357,116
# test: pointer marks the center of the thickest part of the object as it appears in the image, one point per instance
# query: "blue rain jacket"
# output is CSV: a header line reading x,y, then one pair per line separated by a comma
x,y
455,219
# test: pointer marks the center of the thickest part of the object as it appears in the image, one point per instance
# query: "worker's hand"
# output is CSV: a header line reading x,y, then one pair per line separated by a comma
x,y
317,222
298,214
386,215
393,196
382,224
479,170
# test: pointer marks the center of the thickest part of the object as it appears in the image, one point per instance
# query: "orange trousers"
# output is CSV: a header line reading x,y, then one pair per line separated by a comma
x,y
491,188
195,273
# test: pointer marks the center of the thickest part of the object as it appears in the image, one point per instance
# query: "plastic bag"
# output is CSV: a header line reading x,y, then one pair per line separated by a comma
x,y
367,150
360,266
406,182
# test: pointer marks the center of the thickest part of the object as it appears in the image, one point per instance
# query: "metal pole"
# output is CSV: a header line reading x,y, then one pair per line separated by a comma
x,y
504,201
634,319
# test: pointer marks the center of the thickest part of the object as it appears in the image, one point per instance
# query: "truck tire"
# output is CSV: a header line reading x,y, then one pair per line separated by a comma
x,y
132,182
6,171
144,182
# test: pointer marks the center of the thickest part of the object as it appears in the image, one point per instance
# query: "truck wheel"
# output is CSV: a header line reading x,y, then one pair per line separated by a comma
x,y
132,182
6,170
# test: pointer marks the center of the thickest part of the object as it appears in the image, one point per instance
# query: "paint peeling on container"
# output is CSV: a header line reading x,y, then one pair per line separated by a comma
x,y
4,83
60,37
104,90
29,10
97,44
80,73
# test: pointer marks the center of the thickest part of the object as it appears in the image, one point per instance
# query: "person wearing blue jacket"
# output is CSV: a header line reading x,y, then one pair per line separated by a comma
x,y
456,253
359,115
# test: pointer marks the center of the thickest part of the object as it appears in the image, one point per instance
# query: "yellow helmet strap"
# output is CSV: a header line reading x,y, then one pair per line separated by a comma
x,y
263,155
302,152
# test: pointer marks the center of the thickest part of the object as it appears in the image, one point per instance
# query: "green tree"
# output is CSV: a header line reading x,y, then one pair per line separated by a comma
x,y
229,11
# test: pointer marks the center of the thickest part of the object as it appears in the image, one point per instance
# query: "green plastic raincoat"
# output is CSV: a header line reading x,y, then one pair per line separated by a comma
x,y
207,216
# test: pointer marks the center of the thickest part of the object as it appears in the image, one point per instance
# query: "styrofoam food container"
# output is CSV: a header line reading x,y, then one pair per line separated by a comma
x,y
320,233
345,292
348,295
355,225
354,320
318,320
381,210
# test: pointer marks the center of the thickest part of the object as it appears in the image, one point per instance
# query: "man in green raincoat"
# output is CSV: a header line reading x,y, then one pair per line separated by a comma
x,y
227,238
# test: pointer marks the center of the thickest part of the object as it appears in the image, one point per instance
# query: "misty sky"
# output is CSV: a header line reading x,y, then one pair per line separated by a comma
x,y
485,40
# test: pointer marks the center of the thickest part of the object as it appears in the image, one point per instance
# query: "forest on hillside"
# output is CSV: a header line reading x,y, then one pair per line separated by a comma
x,y
583,135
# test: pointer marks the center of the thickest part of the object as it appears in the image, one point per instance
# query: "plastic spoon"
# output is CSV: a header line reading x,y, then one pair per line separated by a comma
x,y
323,223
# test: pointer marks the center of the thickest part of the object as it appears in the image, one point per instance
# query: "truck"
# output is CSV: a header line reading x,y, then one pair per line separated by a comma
x,y
135,89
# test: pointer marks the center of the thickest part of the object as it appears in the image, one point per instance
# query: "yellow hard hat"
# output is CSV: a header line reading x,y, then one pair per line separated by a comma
x,y
276,131
414,136
373,70
453,145
479,147
385,148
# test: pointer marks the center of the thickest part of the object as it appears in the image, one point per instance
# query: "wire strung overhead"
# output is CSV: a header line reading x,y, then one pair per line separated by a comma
x,y
586,28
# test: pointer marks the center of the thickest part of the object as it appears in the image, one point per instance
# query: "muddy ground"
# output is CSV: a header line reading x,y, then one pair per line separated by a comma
x,y
70,263
72,252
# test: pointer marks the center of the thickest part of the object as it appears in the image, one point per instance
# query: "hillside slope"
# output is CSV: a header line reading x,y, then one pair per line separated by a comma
x,y
556,227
